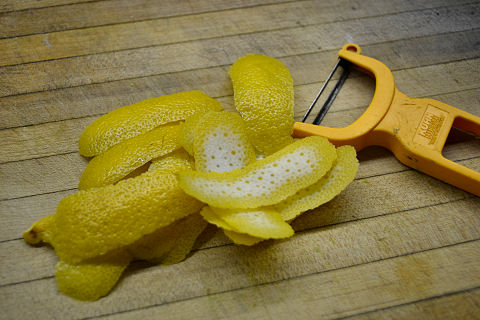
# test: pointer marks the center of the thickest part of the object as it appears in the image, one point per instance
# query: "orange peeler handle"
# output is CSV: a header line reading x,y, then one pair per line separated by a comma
x,y
415,130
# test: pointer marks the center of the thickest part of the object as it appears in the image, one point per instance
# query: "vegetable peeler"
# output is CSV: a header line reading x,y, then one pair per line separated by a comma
x,y
414,129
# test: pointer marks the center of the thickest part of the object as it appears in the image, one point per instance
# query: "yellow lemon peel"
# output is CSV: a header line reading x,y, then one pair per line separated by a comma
x,y
40,231
175,161
188,232
263,92
338,178
132,120
266,181
94,278
90,280
170,243
128,155
238,238
153,215
265,223
152,247
187,131
241,238
208,214
221,143
93,222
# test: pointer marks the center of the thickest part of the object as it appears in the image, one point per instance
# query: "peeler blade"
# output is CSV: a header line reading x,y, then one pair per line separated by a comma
x,y
333,94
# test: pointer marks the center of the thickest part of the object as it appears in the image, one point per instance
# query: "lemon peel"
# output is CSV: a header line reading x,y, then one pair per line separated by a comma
x,y
170,244
208,214
187,131
265,223
40,231
188,230
95,221
129,121
338,178
221,143
240,238
90,280
175,161
94,278
263,93
128,155
152,247
231,232
266,181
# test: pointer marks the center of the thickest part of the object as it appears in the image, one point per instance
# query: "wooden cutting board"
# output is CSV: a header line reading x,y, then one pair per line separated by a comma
x,y
395,244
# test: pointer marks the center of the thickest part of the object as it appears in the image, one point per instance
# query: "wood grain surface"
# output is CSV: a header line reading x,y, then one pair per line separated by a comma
x,y
396,244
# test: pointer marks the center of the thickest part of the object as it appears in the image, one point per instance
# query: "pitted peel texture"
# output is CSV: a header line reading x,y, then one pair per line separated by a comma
x,y
128,155
263,92
337,179
221,143
129,121
266,181
95,221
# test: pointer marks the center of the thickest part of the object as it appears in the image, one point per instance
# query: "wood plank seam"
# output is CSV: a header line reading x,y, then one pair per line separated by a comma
x,y
301,111
207,68
48,7
293,27
16,87
319,229
300,230
26,281
42,157
459,160
74,150
39,194
277,281
227,65
214,37
166,17
353,76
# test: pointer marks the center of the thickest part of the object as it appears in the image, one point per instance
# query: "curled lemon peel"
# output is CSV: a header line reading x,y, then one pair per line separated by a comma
x,y
264,223
338,178
266,181
187,131
263,92
129,121
188,232
238,238
151,215
152,247
208,214
170,243
95,221
40,231
89,281
221,143
128,155
175,161
241,238
92,279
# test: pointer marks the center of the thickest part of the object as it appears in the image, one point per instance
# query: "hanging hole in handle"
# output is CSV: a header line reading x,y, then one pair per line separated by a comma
x,y
463,143
352,48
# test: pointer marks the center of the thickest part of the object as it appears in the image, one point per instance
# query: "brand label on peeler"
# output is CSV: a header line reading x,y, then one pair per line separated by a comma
x,y
432,122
